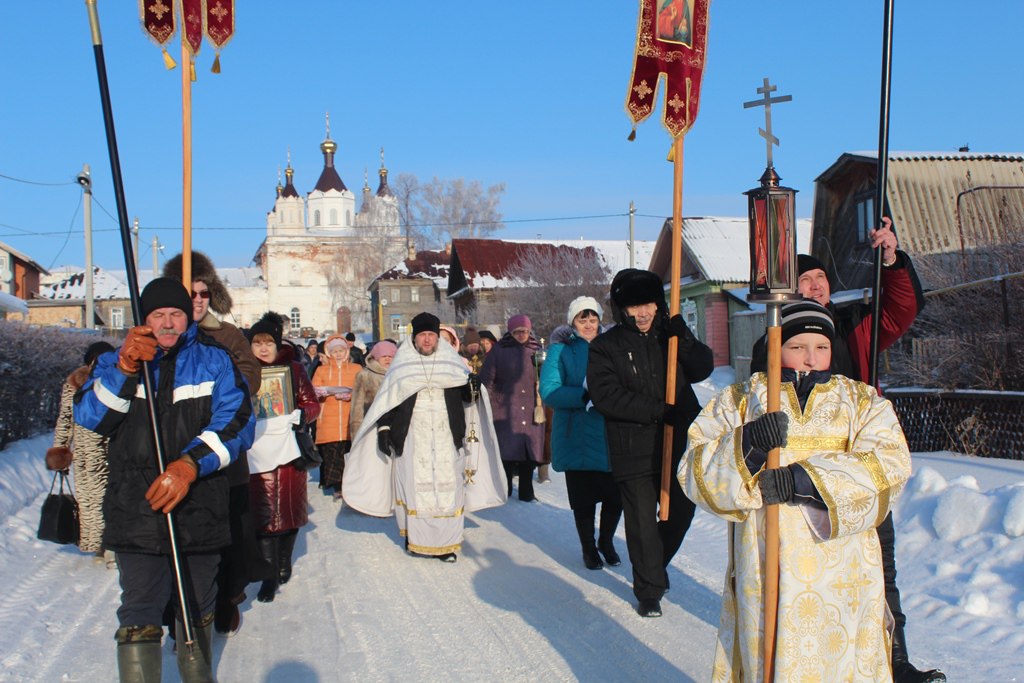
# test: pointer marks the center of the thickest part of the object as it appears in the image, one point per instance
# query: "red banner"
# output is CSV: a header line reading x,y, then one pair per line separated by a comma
x,y
220,22
671,39
192,24
158,19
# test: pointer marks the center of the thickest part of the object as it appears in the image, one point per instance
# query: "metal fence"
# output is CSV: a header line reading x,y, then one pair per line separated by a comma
x,y
983,423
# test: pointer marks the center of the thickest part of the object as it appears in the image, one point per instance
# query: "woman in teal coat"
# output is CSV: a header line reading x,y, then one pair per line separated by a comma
x,y
578,444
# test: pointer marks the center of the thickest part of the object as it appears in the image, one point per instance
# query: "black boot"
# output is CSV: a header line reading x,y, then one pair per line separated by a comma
x,y
286,545
269,549
195,664
585,529
139,659
905,672
610,515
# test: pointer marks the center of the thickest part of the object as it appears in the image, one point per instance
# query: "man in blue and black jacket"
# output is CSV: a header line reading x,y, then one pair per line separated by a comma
x,y
205,417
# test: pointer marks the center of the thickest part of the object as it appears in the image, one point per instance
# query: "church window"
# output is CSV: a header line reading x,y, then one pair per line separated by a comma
x,y
316,217
414,294
117,318
296,319
334,217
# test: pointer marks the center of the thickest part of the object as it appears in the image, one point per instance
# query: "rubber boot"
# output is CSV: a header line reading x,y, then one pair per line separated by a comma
x,y
286,545
195,664
139,656
905,672
269,548
585,529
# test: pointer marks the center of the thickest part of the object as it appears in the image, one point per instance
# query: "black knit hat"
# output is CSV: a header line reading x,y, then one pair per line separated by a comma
x,y
203,271
633,287
426,322
806,316
271,323
806,262
164,292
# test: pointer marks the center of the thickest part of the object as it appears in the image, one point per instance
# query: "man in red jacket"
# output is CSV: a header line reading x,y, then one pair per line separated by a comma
x,y
902,300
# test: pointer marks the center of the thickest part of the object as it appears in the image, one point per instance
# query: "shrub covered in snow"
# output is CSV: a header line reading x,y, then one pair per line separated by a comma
x,y
34,361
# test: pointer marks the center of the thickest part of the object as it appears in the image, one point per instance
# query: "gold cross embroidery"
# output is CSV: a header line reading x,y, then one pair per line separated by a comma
x,y
159,9
219,11
852,585
642,90
676,103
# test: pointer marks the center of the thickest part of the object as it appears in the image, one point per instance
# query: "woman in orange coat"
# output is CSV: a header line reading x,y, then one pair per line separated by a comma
x,y
333,382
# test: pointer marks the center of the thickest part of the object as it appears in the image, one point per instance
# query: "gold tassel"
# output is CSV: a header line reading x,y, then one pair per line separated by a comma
x,y
632,134
168,60
192,70
671,154
216,64
538,415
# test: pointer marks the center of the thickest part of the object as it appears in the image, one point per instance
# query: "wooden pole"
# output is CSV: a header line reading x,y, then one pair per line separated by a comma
x,y
186,161
771,512
667,475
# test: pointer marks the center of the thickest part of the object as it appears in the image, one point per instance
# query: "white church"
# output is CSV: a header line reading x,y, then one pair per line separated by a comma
x,y
320,253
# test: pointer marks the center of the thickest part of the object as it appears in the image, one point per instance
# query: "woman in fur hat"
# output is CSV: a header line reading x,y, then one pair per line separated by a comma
x,y
89,457
277,488
334,380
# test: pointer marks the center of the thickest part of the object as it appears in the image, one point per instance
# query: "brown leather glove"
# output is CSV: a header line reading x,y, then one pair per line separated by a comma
x,y
139,345
58,458
169,488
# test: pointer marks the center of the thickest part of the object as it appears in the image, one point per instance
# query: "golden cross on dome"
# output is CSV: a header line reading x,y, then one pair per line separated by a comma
x,y
767,101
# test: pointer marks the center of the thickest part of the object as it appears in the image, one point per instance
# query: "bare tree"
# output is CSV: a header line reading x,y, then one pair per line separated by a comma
x,y
406,188
548,278
970,335
452,209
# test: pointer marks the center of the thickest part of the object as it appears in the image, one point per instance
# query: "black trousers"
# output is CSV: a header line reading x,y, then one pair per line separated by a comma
x,y
587,488
652,543
147,586
525,470
887,539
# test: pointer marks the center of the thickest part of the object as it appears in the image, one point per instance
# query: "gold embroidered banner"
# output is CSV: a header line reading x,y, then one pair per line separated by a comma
x,y
192,12
220,22
158,20
671,40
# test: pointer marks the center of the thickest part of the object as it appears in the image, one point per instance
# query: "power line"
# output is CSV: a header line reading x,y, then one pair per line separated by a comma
x,y
34,182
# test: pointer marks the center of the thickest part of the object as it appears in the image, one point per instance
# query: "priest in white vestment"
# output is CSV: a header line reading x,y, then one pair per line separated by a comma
x,y
844,459
426,450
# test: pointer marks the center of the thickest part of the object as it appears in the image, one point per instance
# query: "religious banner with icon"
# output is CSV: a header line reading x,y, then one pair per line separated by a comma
x,y
671,39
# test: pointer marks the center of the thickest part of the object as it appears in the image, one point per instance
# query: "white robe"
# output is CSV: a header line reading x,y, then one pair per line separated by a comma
x,y
833,623
431,486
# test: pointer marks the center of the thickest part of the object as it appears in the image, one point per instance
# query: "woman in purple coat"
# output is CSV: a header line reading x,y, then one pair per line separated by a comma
x,y
510,373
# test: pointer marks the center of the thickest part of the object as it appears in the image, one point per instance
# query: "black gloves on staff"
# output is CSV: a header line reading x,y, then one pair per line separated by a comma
x,y
776,485
768,431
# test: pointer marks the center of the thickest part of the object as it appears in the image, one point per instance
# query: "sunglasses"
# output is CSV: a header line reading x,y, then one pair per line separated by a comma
x,y
202,295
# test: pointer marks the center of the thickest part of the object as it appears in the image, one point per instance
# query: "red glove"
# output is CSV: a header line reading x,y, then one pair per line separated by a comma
x,y
170,487
58,458
139,345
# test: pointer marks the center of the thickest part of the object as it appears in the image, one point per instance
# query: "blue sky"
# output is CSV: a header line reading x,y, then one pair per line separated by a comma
x,y
529,93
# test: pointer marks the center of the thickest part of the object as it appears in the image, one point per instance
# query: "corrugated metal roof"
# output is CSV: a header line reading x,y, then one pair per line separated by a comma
x,y
924,187
720,247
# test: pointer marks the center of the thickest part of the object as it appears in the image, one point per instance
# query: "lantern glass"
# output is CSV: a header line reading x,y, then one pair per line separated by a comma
x,y
772,225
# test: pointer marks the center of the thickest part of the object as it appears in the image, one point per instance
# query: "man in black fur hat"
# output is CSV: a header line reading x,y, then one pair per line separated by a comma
x,y
236,569
626,381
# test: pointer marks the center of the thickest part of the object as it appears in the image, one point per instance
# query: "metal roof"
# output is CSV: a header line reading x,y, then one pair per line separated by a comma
x,y
720,246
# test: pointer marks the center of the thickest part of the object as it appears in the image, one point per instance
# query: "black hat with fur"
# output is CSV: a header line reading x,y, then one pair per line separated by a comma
x,y
272,324
203,271
633,287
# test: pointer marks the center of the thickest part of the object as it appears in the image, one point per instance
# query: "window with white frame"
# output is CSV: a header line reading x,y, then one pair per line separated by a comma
x,y
117,318
414,295
396,324
688,309
316,218
296,319
865,216
396,295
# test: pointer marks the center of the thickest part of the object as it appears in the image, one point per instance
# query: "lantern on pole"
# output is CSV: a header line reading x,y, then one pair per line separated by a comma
x,y
773,281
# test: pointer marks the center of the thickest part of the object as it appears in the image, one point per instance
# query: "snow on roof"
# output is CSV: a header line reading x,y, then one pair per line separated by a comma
x,y
488,263
112,284
12,304
249,276
430,265
720,246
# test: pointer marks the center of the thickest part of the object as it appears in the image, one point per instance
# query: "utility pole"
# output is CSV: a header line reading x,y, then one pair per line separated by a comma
x,y
135,246
156,251
632,246
85,180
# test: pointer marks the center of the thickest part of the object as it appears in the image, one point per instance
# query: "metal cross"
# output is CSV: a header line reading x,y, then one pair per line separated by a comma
x,y
767,101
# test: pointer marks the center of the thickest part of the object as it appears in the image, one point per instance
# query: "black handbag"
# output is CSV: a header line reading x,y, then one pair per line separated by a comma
x,y
58,521
309,455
